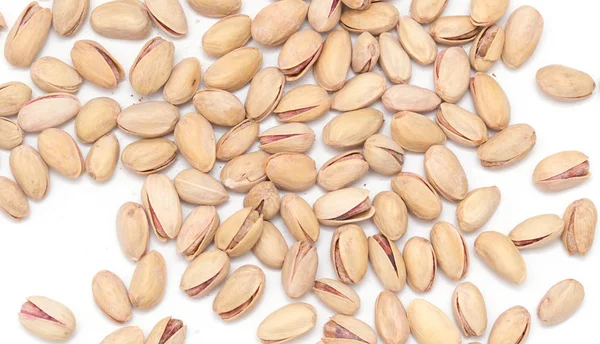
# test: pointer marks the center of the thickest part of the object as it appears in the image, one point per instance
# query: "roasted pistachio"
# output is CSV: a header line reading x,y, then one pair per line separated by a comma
x,y
13,202
415,132
240,292
445,173
168,15
149,156
168,331
450,249
359,92
426,11
477,208
102,159
349,253
205,273
523,32
383,154
152,67
121,19
391,319
343,206
453,30
461,126
452,73
289,137
242,173
580,219
287,323
226,35
133,230
110,294
299,269
332,67
299,218
29,171
47,319
96,118
430,325
469,310
349,330
351,129
501,255
420,197
291,171
274,24
410,98
342,170
490,101
387,262
378,18
96,64
394,61
264,198
48,111
560,302
487,48
61,152
485,13
416,41
149,119
512,326
149,281
271,248
52,75
27,35
264,94
219,107
162,206
365,53
537,231
237,140
337,296
562,171
13,95
238,234
198,231
324,15
303,103
199,188
183,82
508,146
299,53
421,264
68,15
195,139
11,134
211,8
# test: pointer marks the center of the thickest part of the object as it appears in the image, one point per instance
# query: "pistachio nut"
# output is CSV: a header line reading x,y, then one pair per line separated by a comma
x,y
365,53
560,302
168,331
27,35
383,154
121,19
487,48
343,206
238,234
445,173
523,32
237,140
102,159
342,170
264,198
299,269
288,137
96,118
426,11
391,320
60,152
198,231
353,128
420,197
52,75
11,134
133,230
68,15
183,82
469,310
127,334
391,215
410,98
461,126
430,325
477,208
47,319
226,35
421,264
235,69
299,218
13,201
512,326
152,67
148,282
332,67
168,15
48,111
387,262
264,94
336,295
29,171
359,92
196,187
162,205
240,292
452,73
287,323
110,295
416,41
324,15
96,64
212,8
486,13
378,18
291,171
450,249
275,23
562,171
565,83
299,53
349,329
149,156
242,173
302,104
537,231
195,138
453,30
13,95
580,219
499,253
357,4
205,273
415,132
507,147
349,253
490,101
394,61
271,248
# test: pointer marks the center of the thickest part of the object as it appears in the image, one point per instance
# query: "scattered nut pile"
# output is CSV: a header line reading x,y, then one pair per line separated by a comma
x,y
282,163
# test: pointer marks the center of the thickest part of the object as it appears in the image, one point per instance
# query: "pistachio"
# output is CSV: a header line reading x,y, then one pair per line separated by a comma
x,y
461,126
68,15
240,292
410,98
274,24
416,41
507,147
264,198
352,128
195,139
453,30
13,201
357,4
60,152
237,140
271,248
487,48
148,282
219,107
378,18
512,326
226,35
391,320
430,325
450,249
205,273
96,118
421,264
133,230
486,13
560,302
48,111
349,329
291,171
168,15
152,67
501,255
196,187
332,67
420,197
238,234
29,171
110,295
198,231
96,64
469,309
102,158
149,156
523,32
383,154
562,171
537,231
565,83
127,335
149,119
289,137
47,319
264,94
13,95
299,53
11,134
337,296
211,8
415,132
359,92
349,253
324,15
580,219
394,61
365,53
387,262
162,205
235,69
426,11
242,173
299,269
121,19
391,216
299,218
53,75
287,323
452,74
27,35
342,170
168,331
343,206
302,104
183,82
490,101
477,208
445,173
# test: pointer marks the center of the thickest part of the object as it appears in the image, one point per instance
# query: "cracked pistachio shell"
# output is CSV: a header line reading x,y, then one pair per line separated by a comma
x,y
430,325
453,30
348,329
110,295
477,208
299,218
490,101
580,219
205,273
391,319
48,111
264,198
240,174
289,137
350,253
299,53
148,283
336,295
365,53
264,94
11,134
183,82
96,118
60,152
410,98
149,119
122,19
240,232
508,146
196,187
378,18
538,231
13,95
445,173
357,4
342,170
461,126
125,335
271,248
359,92
302,104
416,41
500,254
420,197
452,74
237,140
235,69
69,15
162,205
324,15
152,67
383,154
415,132
102,159
421,264
211,8
195,138
167,331
450,249
343,206
565,83
52,75
226,35
299,269
287,323
291,171
198,231
486,13
168,15
487,48
332,67
352,129
394,61
387,262
470,313
426,11
275,23
149,156
133,230
29,171
27,35
96,64
560,302
47,319
512,326
523,32
13,201
240,292
391,215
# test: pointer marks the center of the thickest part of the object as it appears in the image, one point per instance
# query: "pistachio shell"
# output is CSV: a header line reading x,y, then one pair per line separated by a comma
x,y
13,95
337,296
264,94
391,216
343,326
415,132
445,173
167,331
198,231
110,294
162,205
299,53
199,188
561,171
343,206
452,74
125,335
469,310
508,146
477,208
537,231
332,67
226,35
299,269
486,13
148,283
149,119
271,248
121,19
275,23
324,15
242,173
13,201
169,16
212,8
238,233
303,103
359,92
47,319
237,140
152,67
410,98
378,18
426,11
149,156
299,218
416,41
430,325
461,126
195,139
421,264
219,107
291,171
387,262
53,75
11,134
512,326
29,171
96,119
564,83
365,53
383,154
487,48
420,197
289,137
342,170
523,32
352,129
453,30
205,273
501,255
394,61
68,15
450,249
48,111
102,158
133,230
264,198
560,302
183,82
235,69
349,253
580,219
60,152
240,292
490,101
96,64
27,35
391,320
287,323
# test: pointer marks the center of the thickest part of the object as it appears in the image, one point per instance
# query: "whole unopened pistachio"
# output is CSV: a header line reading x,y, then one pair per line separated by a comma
x,y
169,16
121,19
299,218
96,118
149,156
490,101
342,170
450,249
289,137
287,323
152,67
508,146
11,134
394,61
13,201
149,281
271,248
410,98
211,8
565,83
420,197
477,208
351,129
199,188
469,309
537,231
487,48
343,206
359,92
512,326
391,216
219,107
52,75
60,152
264,198
205,273
183,82
453,30
13,95
452,73
264,94
486,13
96,64
133,230
430,325
523,32
29,171
226,35
324,15
349,253
560,302
421,264
47,319
240,292
102,159
365,53
238,234
391,320
383,154
128,335
235,69
461,126
387,262
195,139
168,331
162,206
562,171
299,53
110,294
299,269
502,256
380,17
416,41
237,140
332,67
275,23
68,15
426,11
445,173
48,111
302,104
337,296
242,173
415,132
291,171
198,231
27,35
580,219
349,330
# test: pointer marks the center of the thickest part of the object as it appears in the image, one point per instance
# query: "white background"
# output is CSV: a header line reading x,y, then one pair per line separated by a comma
x,y
70,235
